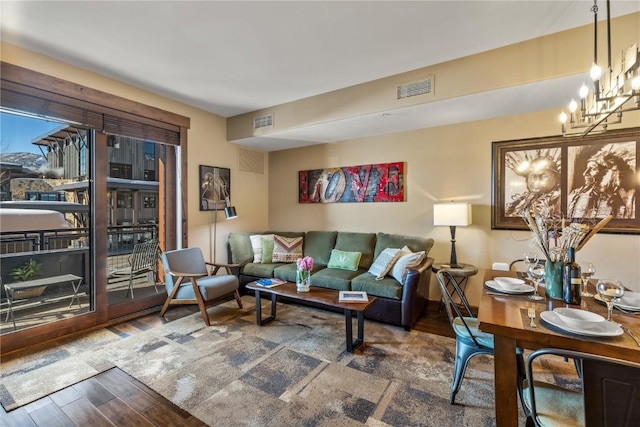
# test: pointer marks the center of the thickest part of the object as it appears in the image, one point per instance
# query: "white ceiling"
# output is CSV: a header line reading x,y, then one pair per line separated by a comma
x,y
235,57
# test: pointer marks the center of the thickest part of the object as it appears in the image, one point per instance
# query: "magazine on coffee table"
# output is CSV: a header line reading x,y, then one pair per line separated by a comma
x,y
353,296
270,283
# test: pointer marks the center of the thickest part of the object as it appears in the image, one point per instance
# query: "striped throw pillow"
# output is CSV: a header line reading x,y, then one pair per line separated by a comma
x,y
286,249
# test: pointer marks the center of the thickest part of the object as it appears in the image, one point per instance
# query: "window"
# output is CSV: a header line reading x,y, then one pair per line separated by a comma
x,y
149,175
83,160
46,196
125,199
149,151
111,141
119,170
150,201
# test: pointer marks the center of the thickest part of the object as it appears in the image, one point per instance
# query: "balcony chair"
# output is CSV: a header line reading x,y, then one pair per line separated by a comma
x,y
189,281
610,394
143,259
470,341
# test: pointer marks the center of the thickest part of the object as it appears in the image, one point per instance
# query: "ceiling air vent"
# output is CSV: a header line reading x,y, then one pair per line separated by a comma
x,y
263,121
421,87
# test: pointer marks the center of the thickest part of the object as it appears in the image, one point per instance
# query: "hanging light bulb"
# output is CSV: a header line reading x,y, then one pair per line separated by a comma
x,y
596,72
563,120
584,91
573,106
613,86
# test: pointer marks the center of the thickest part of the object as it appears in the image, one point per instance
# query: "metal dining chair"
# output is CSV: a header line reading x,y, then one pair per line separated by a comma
x,y
470,341
609,395
520,265
503,266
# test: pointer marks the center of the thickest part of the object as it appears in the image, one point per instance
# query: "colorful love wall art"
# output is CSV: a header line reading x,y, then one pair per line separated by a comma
x,y
383,182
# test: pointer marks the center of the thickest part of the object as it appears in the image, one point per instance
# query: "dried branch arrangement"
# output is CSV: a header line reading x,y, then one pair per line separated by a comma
x,y
553,236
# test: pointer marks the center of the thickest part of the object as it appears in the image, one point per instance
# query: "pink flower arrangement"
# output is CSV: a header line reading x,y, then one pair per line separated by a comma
x,y
305,264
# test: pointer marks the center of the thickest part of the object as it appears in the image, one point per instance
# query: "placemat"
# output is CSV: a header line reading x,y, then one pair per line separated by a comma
x,y
526,322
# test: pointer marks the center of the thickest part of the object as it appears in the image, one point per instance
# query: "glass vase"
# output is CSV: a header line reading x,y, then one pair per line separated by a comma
x,y
553,279
303,280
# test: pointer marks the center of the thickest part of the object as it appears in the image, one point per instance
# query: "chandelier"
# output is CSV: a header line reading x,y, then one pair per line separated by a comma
x,y
616,89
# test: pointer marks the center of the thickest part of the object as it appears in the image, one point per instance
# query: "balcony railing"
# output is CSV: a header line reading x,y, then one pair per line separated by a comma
x,y
121,239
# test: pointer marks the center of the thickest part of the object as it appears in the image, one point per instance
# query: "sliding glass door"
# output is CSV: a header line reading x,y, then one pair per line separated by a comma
x,y
46,257
98,196
133,207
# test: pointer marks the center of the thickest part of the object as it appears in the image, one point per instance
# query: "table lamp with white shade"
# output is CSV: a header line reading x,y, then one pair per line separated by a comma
x,y
452,215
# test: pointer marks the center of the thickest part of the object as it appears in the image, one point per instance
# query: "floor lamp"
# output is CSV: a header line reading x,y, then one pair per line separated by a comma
x,y
229,213
452,215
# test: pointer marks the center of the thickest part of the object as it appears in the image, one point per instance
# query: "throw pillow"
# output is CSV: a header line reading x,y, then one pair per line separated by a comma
x,y
384,262
344,260
287,249
256,245
406,260
267,250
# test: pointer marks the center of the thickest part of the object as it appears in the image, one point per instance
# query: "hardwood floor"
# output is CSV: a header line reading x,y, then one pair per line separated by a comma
x,y
114,398
111,398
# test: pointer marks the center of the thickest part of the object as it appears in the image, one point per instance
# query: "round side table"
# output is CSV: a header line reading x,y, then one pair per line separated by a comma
x,y
460,275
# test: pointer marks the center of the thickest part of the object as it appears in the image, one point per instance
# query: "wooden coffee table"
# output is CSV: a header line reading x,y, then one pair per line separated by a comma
x,y
322,296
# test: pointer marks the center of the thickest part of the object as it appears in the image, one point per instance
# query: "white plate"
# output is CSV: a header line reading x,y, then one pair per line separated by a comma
x,y
606,329
509,280
629,301
624,302
522,289
579,318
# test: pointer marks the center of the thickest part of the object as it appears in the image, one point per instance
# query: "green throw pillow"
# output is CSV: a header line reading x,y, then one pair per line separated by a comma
x,y
344,260
267,251
256,246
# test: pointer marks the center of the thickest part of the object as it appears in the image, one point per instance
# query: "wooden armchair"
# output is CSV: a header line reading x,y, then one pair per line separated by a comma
x,y
189,281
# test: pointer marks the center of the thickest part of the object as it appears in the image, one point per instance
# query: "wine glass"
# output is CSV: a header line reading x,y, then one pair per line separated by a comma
x,y
587,270
536,272
608,291
530,258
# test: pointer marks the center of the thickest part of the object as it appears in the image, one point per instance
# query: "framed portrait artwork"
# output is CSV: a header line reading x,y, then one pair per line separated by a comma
x,y
583,179
215,187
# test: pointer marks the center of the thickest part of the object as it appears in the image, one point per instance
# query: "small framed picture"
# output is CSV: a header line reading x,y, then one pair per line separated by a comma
x,y
215,187
353,296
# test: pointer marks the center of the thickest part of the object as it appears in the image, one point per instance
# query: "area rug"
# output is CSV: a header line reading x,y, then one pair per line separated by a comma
x,y
294,371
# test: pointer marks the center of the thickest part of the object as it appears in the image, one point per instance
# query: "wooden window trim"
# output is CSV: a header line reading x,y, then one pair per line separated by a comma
x,y
91,99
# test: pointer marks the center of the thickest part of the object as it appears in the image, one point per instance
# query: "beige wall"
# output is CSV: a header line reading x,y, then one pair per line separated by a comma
x,y
207,146
561,54
442,164
445,163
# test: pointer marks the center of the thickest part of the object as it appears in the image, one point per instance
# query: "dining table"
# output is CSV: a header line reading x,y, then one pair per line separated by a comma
x,y
505,317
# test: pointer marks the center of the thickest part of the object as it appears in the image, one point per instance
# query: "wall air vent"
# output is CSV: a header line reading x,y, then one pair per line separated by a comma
x,y
250,161
421,87
263,121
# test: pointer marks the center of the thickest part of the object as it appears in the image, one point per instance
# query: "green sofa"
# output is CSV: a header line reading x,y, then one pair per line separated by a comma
x,y
397,303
